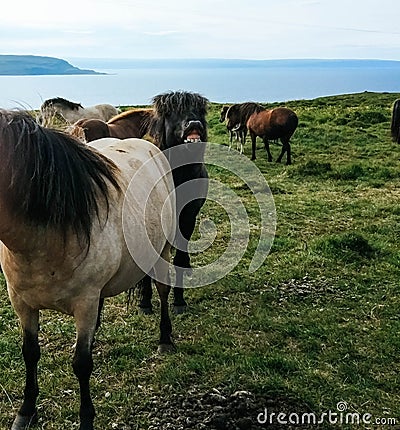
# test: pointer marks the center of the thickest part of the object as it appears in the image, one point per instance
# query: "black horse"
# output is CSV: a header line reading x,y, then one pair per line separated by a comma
x,y
395,124
179,129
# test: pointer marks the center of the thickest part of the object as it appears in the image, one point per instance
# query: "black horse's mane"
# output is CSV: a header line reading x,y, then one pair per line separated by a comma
x,y
179,102
62,101
244,110
51,179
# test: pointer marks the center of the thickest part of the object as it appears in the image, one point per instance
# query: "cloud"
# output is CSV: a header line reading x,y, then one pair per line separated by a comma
x,y
161,32
199,28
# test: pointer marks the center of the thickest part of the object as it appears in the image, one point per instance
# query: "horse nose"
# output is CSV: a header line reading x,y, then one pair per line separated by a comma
x,y
194,124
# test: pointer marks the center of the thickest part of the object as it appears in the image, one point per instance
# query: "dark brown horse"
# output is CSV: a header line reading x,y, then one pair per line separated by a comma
x,y
237,116
395,124
180,130
233,134
279,123
131,123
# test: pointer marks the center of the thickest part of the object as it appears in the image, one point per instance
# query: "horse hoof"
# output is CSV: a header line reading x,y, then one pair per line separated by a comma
x,y
22,422
145,311
166,348
179,310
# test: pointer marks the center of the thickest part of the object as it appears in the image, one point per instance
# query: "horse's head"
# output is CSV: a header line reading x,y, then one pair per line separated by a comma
x,y
222,115
180,117
233,117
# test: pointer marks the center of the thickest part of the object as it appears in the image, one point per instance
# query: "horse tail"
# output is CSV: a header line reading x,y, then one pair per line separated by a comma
x,y
395,124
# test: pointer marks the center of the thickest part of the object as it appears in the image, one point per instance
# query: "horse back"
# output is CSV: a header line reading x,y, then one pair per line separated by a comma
x,y
148,208
131,123
273,123
92,129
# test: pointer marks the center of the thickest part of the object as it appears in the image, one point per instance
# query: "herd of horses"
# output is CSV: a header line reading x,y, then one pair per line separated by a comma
x,y
90,213
268,124
241,119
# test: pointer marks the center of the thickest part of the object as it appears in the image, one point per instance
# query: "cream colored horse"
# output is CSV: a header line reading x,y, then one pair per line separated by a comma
x,y
72,112
79,223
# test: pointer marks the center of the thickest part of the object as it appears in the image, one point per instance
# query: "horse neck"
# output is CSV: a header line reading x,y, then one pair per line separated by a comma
x,y
71,115
137,123
20,238
125,128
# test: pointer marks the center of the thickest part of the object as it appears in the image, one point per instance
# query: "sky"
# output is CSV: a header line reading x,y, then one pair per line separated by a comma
x,y
235,29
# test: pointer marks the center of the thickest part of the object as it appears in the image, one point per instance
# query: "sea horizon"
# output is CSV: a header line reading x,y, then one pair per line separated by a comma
x,y
131,82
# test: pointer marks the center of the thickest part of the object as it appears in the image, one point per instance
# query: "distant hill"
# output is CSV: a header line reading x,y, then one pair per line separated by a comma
x,y
36,65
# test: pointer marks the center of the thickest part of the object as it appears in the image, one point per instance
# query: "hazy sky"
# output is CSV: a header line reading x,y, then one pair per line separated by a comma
x,y
251,29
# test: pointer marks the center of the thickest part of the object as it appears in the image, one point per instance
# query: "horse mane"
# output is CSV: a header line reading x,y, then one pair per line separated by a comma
x,y
395,121
179,102
244,110
59,100
54,180
131,113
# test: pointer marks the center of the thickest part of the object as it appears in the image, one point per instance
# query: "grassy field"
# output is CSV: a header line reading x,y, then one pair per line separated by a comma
x,y
317,324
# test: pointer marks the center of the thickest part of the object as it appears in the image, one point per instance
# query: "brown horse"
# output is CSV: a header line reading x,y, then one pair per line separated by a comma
x,y
131,123
279,123
395,124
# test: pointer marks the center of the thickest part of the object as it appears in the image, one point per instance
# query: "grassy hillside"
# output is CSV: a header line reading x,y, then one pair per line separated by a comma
x,y
316,325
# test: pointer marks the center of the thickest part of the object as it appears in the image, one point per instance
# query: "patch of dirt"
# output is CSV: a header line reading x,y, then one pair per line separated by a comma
x,y
217,410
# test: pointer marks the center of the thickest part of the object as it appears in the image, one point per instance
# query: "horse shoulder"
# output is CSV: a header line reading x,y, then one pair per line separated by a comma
x,y
258,121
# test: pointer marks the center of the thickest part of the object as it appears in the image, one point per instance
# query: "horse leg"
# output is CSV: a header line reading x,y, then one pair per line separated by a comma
x,y
145,293
85,318
187,223
165,344
27,414
163,282
239,139
101,305
253,145
266,144
285,148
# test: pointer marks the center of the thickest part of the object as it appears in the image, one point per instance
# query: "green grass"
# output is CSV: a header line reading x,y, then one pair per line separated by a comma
x,y
318,323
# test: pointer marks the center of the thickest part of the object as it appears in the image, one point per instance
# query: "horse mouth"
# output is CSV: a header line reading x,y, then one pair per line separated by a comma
x,y
193,137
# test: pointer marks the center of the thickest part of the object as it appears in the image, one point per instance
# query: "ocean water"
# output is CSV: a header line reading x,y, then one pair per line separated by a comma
x,y
135,83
